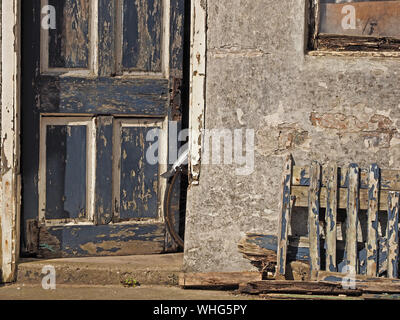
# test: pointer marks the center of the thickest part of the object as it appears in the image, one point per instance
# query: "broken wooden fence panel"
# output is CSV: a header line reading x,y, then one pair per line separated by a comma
x,y
334,188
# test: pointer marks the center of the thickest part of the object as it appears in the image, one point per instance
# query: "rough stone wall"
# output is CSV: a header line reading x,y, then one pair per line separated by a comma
x,y
345,109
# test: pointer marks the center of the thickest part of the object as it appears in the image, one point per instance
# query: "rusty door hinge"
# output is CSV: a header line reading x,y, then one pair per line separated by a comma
x,y
176,99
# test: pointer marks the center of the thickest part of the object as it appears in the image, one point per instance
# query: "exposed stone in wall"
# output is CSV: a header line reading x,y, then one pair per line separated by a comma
x,y
345,109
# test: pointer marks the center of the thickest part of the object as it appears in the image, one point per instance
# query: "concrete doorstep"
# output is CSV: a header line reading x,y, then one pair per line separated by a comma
x,y
144,269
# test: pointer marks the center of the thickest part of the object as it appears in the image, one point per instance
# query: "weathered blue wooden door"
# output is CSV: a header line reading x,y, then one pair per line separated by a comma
x,y
99,87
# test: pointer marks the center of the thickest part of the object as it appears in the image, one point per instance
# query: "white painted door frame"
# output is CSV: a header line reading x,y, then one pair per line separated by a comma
x,y
10,129
10,185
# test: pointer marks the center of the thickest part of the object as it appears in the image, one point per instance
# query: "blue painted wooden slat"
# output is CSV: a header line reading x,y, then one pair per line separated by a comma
x,y
331,217
284,217
393,235
104,163
313,219
352,218
372,239
104,96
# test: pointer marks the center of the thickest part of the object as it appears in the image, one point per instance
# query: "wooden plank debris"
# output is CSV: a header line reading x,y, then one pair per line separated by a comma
x,y
289,296
362,282
219,280
296,287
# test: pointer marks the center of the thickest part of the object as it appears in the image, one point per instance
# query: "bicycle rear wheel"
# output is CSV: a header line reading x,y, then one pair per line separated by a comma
x,y
175,206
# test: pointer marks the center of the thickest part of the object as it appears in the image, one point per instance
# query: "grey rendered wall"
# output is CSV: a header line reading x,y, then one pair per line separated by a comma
x,y
323,108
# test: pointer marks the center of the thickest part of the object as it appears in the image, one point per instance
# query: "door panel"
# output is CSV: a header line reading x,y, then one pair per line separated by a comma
x,y
68,43
138,189
65,171
142,24
96,100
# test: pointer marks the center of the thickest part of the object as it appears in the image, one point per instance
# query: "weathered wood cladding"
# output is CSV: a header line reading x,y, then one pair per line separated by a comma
x,y
142,28
103,96
69,41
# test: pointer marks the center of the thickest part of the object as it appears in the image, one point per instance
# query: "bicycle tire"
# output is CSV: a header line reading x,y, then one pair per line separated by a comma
x,y
169,214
